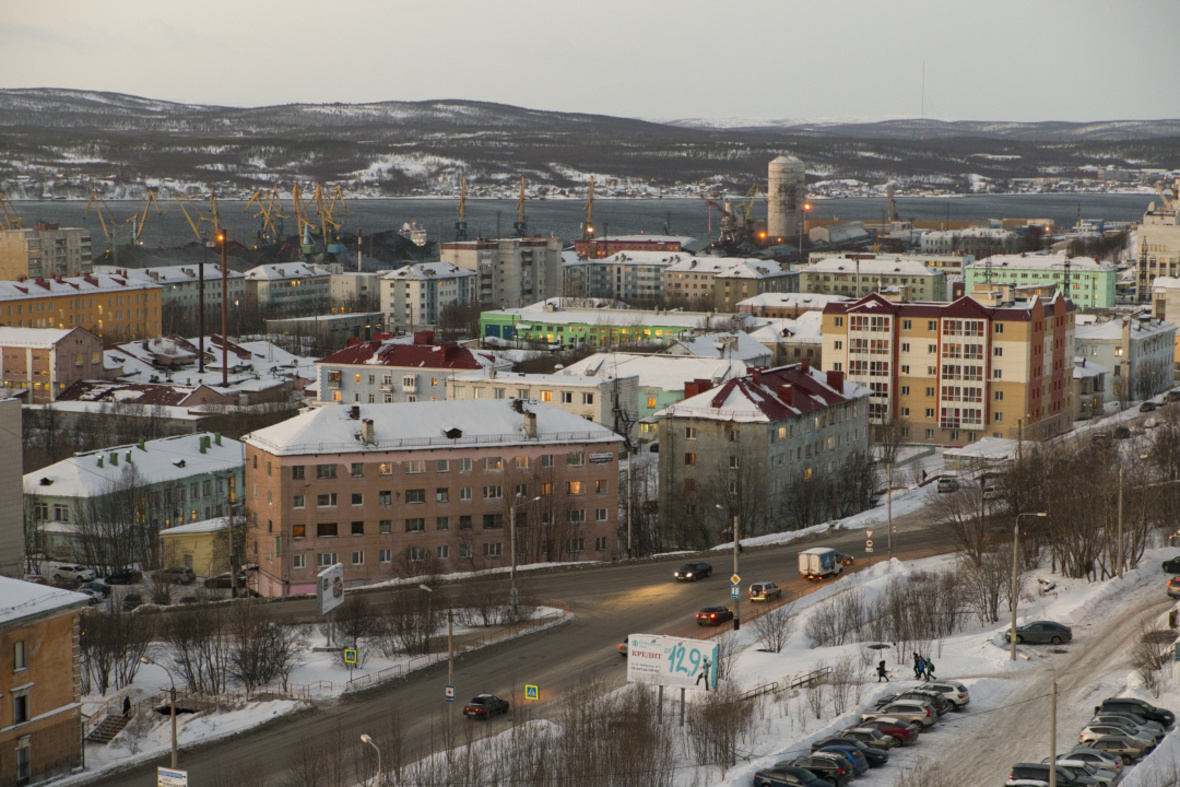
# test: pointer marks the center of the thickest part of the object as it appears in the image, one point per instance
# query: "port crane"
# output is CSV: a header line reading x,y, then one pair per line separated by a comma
x,y
106,219
139,218
519,229
1159,189
269,214
588,224
461,224
10,221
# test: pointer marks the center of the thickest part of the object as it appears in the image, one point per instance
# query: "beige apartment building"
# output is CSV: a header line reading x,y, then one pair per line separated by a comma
x,y
513,272
856,275
956,372
46,361
411,489
1157,251
45,251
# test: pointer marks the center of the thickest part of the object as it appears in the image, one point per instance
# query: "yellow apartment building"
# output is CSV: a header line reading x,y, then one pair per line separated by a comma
x,y
111,306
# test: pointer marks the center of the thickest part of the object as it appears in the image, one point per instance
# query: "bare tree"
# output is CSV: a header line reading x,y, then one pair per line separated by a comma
x,y
774,629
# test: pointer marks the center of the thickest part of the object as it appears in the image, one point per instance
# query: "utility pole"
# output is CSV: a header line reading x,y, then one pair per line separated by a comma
x,y
737,602
1120,544
450,672
1053,735
224,311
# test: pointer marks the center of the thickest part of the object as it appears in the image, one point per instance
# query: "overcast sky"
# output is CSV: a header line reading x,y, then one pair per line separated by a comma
x,y
1016,60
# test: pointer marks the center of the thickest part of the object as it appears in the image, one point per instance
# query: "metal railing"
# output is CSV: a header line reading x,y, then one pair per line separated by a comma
x,y
810,679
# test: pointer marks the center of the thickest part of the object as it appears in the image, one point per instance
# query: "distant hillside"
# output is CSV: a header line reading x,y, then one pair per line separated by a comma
x,y
69,143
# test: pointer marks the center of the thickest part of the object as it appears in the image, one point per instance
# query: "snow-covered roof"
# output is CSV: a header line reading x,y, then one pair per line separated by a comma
x,y
1041,262
70,286
423,271
682,239
791,300
537,312
170,274
714,265
870,267
263,364
663,372
20,600
741,346
203,526
33,338
968,232
1164,282
1084,367
397,354
168,459
988,449
286,270
638,257
805,329
509,378
1089,329
407,426
755,269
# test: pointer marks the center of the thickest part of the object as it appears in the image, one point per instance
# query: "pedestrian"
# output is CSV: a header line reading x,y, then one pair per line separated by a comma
x,y
917,669
126,705
929,669
921,666
881,671
923,476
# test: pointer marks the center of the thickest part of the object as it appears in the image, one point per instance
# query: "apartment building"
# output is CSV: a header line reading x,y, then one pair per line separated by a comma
x,y
46,361
397,490
856,275
955,372
1138,350
417,295
511,271
750,279
976,241
111,306
387,370
181,284
41,711
1157,247
787,305
636,277
12,508
1089,283
43,252
597,248
355,291
696,281
288,288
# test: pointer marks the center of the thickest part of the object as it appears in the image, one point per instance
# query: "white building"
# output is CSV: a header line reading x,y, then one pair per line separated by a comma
x,y
731,345
980,241
512,271
792,340
855,276
1139,351
288,288
353,291
1157,248
181,284
417,295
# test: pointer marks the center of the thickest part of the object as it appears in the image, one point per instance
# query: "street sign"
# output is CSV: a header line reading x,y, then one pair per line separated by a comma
x,y
350,655
169,777
868,545
449,693
735,579
868,534
735,591
672,661
532,692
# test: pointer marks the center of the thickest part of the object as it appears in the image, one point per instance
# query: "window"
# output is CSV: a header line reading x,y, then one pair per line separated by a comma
x,y
18,655
416,525
442,523
546,460
358,498
325,559
358,558
384,555
385,527
905,389
358,470
298,531
522,463
385,498
587,398
999,327
690,432
298,561
493,464
493,521
465,551
416,554
464,523
493,492
734,463
385,468
415,466
442,466
690,459
573,487
651,403
326,530
997,417
600,543
297,473
546,396
600,515
907,325
442,552
575,544
999,396
575,515
997,374
464,493
442,495
575,459
358,528
414,496
464,465
20,706
600,487
326,500
493,550
546,488
567,397
997,351
297,501
325,471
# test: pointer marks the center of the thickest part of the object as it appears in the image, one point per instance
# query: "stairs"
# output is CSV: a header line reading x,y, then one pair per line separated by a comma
x,y
108,728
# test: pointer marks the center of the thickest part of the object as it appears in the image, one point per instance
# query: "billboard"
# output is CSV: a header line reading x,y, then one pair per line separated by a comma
x,y
672,661
329,588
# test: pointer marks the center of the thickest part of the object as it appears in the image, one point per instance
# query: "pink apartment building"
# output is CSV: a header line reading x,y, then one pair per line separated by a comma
x,y
411,489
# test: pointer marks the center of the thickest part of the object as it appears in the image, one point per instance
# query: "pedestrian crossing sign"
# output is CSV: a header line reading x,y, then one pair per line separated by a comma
x,y
532,693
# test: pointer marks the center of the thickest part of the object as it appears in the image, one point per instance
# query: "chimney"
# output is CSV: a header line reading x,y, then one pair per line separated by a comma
x,y
836,381
786,392
114,460
757,377
355,412
492,372
806,366
423,337
530,425
368,433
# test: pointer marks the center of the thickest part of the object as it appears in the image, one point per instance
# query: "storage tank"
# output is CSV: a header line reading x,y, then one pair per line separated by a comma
x,y
785,192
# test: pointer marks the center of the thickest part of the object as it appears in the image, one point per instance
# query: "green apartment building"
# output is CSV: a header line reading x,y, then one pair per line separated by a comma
x,y
1091,283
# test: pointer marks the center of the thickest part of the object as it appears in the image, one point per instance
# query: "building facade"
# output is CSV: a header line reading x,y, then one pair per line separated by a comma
x,y
43,252
181,284
112,307
597,248
1091,284
288,288
856,275
46,361
1139,351
636,277
396,490
417,295
955,372
787,305
41,715
1157,248
355,291
511,271
12,507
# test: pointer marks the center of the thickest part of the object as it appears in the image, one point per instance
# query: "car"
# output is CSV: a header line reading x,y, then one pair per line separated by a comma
x,y
933,698
714,616
691,572
1066,776
954,691
765,591
1138,707
131,601
1172,566
870,737
906,710
127,576
74,573
1156,728
903,731
1130,727
1174,395
947,485
225,581
1041,632
94,596
844,558
1147,407
855,759
873,755
624,647
1174,587
1095,730
97,587
836,772
1122,433
179,575
1126,749
485,706
783,775
1096,757
1105,776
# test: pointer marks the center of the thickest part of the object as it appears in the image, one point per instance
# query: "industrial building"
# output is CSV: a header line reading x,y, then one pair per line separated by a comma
x,y
785,192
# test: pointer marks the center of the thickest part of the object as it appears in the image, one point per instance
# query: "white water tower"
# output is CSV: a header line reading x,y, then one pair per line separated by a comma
x,y
785,192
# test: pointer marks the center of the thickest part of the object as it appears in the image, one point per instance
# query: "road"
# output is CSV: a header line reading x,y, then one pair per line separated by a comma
x,y
608,601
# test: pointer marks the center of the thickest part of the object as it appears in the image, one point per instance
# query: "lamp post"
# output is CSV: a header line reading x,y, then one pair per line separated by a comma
x,y
512,538
737,602
172,704
450,656
1015,557
366,739
802,222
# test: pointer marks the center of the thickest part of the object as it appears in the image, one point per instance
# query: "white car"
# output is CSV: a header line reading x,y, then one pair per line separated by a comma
x,y
94,596
1096,730
74,573
954,691
906,710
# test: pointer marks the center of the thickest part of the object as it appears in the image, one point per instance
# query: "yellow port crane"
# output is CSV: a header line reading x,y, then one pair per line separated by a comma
x,y
194,219
519,228
588,225
461,224
1159,189
10,221
106,219
139,219
270,214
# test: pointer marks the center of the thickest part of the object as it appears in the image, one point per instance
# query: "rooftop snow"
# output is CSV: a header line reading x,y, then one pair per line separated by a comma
x,y
759,397
23,600
428,270
1041,262
870,267
662,372
285,270
35,338
72,285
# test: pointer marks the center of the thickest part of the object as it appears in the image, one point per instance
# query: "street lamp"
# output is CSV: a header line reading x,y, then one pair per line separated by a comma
x,y
512,528
172,710
366,739
802,222
737,602
450,657
1015,556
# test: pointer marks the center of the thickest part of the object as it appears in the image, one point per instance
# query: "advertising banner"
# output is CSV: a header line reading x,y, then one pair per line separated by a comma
x,y
329,588
672,661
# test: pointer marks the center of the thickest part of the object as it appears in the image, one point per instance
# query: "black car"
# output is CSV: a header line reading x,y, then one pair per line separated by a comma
x,y
124,577
788,776
1122,433
714,616
1172,566
225,581
1147,407
485,706
97,587
874,755
1066,776
1139,708
693,571
826,768
1040,632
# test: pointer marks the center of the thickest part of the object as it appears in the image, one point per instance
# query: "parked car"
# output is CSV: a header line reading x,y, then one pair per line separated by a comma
x,y
1106,777
97,587
714,616
485,706
827,768
845,558
1066,777
1172,566
691,572
1122,433
856,759
1174,587
131,601
1133,729
123,577
1041,632
906,710
765,591
225,581
1097,758
1144,709
1095,730
1174,395
874,755
933,698
179,575
77,574
1156,728
782,775
870,737
1127,749
1147,407
948,485
905,732
954,691
94,596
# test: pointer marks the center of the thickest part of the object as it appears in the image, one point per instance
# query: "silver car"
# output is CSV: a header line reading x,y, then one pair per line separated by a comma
x,y
1096,730
1105,777
906,710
